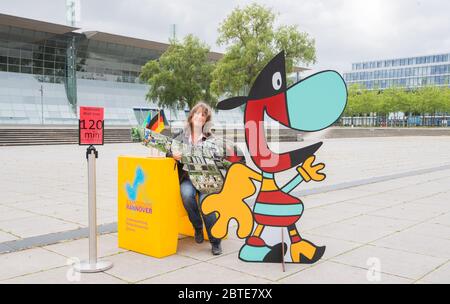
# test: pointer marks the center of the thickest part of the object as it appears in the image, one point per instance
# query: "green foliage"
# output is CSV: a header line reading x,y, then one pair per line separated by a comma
x,y
428,100
181,76
252,41
136,134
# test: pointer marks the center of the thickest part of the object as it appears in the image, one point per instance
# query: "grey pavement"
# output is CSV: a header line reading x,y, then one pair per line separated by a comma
x,y
393,227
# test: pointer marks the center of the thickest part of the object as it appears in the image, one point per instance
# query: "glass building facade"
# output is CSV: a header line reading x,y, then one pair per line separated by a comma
x,y
48,70
411,72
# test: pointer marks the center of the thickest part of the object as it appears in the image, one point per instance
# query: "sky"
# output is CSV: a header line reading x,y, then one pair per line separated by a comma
x,y
345,31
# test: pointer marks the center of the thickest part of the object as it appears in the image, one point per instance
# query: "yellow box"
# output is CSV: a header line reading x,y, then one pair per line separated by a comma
x,y
150,210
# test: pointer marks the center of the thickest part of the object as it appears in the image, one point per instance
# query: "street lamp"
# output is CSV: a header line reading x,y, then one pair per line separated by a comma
x,y
42,104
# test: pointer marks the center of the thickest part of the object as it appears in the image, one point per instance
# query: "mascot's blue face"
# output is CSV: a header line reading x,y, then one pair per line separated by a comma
x,y
310,105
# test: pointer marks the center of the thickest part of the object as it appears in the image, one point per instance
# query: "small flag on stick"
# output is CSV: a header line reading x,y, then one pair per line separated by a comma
x,y
157,123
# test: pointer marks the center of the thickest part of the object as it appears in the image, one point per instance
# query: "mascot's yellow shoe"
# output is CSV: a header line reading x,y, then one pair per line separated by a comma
x,y
305,252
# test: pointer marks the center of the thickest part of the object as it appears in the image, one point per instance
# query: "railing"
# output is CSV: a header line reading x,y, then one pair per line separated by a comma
x,y
411,121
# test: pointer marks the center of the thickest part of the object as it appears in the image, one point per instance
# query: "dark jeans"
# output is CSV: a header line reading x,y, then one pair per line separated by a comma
x,y
188,193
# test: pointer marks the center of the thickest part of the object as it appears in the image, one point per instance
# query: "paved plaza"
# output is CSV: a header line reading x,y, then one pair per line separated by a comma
x,y
383,213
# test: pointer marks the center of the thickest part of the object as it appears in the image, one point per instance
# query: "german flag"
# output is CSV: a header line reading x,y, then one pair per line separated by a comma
x,y
157,123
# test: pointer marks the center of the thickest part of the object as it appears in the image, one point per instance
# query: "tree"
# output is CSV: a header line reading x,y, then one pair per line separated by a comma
x,y
181,76
252,41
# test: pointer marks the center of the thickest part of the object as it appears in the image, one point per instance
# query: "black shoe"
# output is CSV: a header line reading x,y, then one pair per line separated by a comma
x,y
199,236
216,249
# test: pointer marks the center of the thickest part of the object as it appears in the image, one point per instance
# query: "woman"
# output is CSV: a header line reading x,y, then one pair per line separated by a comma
x,y
195,132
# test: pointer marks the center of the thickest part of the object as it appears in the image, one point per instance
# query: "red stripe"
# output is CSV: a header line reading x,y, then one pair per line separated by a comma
x,y
295,239
276,221
277,197
262,156
255,241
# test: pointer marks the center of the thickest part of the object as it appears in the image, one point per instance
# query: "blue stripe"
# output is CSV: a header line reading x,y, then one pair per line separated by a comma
x,y
278,210
292,184
267,175
253,254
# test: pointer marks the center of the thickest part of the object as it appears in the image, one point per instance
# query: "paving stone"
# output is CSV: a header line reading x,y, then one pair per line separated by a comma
x,y
395,262
206,273
133,267
64,275
411,211
28,261
271,271
106,246
440,275
6,237
36,225
411,242
362,229
334,273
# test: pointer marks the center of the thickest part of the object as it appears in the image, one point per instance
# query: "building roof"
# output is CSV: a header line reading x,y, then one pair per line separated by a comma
x,y
54,28
35,25
124,40
136,42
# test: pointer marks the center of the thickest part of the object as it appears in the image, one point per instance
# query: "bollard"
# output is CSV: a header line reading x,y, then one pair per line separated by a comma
x,y
92,265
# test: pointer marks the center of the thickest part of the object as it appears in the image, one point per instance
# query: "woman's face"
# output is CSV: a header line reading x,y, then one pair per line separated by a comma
x,y
199,119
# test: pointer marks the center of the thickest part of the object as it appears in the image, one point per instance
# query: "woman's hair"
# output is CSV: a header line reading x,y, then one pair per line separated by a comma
x,y
208,114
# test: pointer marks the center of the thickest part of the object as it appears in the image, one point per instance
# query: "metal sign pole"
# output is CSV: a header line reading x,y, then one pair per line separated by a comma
x,y
93,265
282,250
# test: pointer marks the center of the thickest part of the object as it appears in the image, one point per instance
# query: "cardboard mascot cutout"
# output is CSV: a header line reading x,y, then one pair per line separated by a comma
x,y
310,105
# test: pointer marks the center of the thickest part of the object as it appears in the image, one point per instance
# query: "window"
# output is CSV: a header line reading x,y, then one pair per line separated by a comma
x,y
49,50
13,68
60,58
49,64
13,61
61,52
38,56
38,63
49,72
38,71
26,62
60,65
26,70
49,57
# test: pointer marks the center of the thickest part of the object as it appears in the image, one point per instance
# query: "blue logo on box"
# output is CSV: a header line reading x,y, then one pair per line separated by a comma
x,y
138,180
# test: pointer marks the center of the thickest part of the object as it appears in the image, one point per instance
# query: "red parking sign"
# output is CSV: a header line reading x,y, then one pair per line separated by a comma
x,y
91,125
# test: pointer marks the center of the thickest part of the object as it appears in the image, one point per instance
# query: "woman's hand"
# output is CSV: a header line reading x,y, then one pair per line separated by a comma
x,y
177,156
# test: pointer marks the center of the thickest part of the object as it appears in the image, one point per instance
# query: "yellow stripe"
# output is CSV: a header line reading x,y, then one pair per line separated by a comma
x,y
159,128
292,232
258,230
268,185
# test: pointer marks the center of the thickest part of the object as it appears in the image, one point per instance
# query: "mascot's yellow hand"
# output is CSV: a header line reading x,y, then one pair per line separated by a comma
x,y
229,203
311,172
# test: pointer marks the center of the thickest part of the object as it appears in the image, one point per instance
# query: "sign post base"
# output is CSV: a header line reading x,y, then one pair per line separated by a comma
x,y
86,267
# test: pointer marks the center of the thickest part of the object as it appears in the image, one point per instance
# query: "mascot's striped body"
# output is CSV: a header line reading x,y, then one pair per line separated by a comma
x,y
310,105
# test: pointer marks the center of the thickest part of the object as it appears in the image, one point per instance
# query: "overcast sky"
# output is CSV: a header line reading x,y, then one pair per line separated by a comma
x,y
345,31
